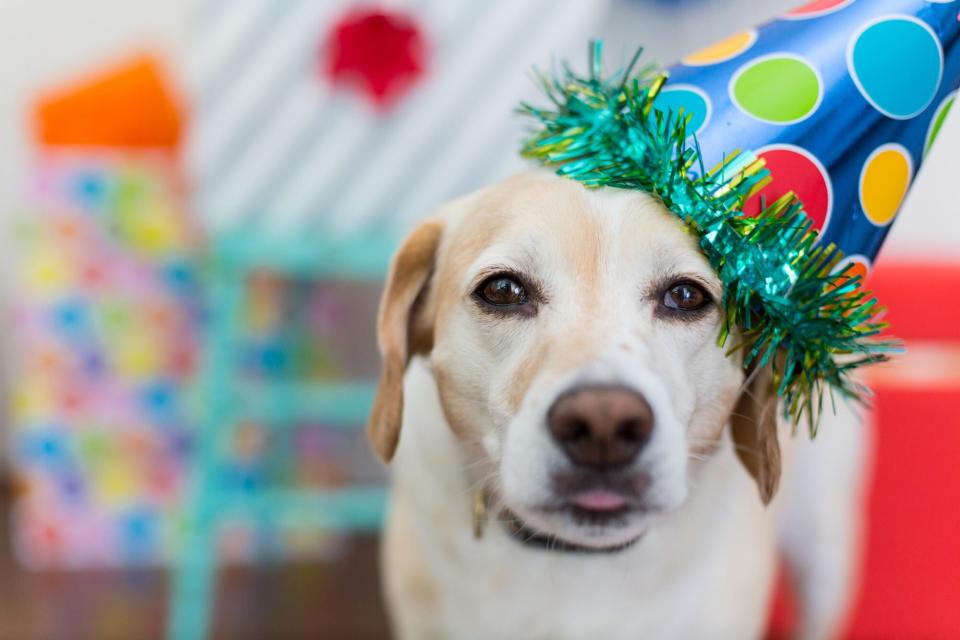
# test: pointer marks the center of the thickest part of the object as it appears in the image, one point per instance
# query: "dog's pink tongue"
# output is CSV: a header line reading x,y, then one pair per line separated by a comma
x,y
600,501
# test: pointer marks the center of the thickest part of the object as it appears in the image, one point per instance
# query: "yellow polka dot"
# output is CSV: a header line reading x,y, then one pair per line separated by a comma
x,y
116,481
47,273
884,183
155,233
135,356
724,50
32,398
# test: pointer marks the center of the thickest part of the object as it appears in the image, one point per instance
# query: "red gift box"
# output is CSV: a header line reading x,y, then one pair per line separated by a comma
x,y
910,576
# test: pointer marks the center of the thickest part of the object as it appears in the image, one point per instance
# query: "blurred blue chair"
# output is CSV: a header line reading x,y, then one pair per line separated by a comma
x,y
225,399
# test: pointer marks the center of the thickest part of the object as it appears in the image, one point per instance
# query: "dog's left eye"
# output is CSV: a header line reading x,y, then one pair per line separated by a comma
x,y
502,291
685,296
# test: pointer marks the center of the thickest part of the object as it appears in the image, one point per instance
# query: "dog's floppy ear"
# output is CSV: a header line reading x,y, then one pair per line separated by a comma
x,y
754,425
400,335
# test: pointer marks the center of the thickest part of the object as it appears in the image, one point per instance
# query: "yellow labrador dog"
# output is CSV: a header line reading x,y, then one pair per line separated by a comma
x,y
573,454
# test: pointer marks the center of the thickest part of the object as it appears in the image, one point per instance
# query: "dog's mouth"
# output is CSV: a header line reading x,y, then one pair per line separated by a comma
x,y
529,536
598,513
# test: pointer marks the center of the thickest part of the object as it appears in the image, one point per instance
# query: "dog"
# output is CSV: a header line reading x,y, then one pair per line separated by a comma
x,y
573,453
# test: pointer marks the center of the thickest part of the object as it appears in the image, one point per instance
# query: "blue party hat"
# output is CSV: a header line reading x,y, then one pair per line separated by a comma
x,y
841,98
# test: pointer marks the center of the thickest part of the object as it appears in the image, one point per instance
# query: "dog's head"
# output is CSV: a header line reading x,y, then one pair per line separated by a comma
x,y
573,337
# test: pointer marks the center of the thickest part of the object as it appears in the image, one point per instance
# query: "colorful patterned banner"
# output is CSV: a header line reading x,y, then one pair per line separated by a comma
x,y
106,344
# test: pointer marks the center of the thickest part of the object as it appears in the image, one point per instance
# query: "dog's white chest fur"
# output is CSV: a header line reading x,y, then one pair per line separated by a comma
x,y
703,572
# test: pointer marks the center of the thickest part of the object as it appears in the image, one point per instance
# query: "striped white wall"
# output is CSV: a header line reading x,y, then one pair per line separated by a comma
x,y
274,144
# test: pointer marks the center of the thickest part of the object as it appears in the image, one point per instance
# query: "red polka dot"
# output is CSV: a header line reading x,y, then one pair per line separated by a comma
x,y
71,401
93,275
794,169
818,8
183,362
164,481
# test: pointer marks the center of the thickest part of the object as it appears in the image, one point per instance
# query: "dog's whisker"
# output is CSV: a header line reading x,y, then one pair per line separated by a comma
x,y
483,481
488,464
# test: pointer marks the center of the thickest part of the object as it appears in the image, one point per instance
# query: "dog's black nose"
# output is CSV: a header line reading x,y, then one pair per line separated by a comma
x,y
601,427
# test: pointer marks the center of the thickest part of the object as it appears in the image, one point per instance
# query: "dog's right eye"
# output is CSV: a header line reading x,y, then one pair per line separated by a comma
x,y
502,291
685,298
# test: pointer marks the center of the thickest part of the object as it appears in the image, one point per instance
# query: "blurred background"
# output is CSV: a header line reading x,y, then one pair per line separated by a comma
x,y
198,200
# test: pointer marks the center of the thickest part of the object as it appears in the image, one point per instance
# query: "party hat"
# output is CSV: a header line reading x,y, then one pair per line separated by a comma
x,y
842,99
838,102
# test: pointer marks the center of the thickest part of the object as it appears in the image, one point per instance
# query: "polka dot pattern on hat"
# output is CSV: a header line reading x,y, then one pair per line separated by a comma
x,y
843,99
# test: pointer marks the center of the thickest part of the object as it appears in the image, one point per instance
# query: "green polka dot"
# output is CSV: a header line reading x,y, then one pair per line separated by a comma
x,y
779,89
937,122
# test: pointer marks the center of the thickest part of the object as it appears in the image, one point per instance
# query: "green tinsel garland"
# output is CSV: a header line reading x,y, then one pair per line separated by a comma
x,y
780,290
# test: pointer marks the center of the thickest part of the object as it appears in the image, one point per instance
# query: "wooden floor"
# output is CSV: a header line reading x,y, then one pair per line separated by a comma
x,y
317,601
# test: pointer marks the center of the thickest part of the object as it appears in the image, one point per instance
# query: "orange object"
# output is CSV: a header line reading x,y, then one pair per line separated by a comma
x,y
128,106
